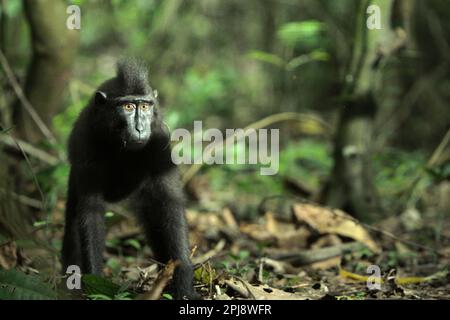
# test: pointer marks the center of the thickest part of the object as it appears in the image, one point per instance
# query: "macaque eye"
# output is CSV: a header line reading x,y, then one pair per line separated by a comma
x,y
146,106
128,107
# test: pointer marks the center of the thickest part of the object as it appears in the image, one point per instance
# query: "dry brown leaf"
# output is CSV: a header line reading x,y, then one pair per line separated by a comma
x,y
8,255
279,267
327,240
261,292
325,221
294,239
229,219
271,223
327,264
257,232
203,221
160,283
286,235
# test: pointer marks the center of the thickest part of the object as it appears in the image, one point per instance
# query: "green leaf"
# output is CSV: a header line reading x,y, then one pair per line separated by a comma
x,y
98,297
307,32
319,55
40,223
95,285
12,8
244,254
114,264
204,275
124,296
266,57
78,2
133,243
167,296
109,214
16,285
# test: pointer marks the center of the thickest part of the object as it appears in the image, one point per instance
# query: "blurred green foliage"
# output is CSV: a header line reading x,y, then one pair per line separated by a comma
x,y
16,285
203,93
224,76
229,64
308,161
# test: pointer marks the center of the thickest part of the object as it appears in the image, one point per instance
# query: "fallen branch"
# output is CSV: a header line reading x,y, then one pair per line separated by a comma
x,y
310,256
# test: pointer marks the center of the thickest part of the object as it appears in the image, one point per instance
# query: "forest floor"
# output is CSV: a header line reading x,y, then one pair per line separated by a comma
x,y
313,252
316,253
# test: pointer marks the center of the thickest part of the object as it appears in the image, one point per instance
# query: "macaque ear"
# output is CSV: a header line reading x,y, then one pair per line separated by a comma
x,y
100,98
155,94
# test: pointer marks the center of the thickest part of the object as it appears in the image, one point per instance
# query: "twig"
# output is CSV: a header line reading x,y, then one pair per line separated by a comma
x,y
194,249
156,262
392,236
210,276
208,255
29,149
37,204
36,182
408,242
261,270
439,150
218,291
410,98
252,295
430,163
24,100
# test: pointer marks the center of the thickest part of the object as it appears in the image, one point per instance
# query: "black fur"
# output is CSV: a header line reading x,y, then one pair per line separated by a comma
x,y
104,170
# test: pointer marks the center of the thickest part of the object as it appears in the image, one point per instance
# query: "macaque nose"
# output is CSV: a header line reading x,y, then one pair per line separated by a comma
x,y
139,126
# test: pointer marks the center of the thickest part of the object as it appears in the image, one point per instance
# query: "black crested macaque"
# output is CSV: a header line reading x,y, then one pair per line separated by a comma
x,y
119,150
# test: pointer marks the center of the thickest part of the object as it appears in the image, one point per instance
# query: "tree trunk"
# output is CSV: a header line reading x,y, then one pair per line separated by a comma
x,y
54,49
351,186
